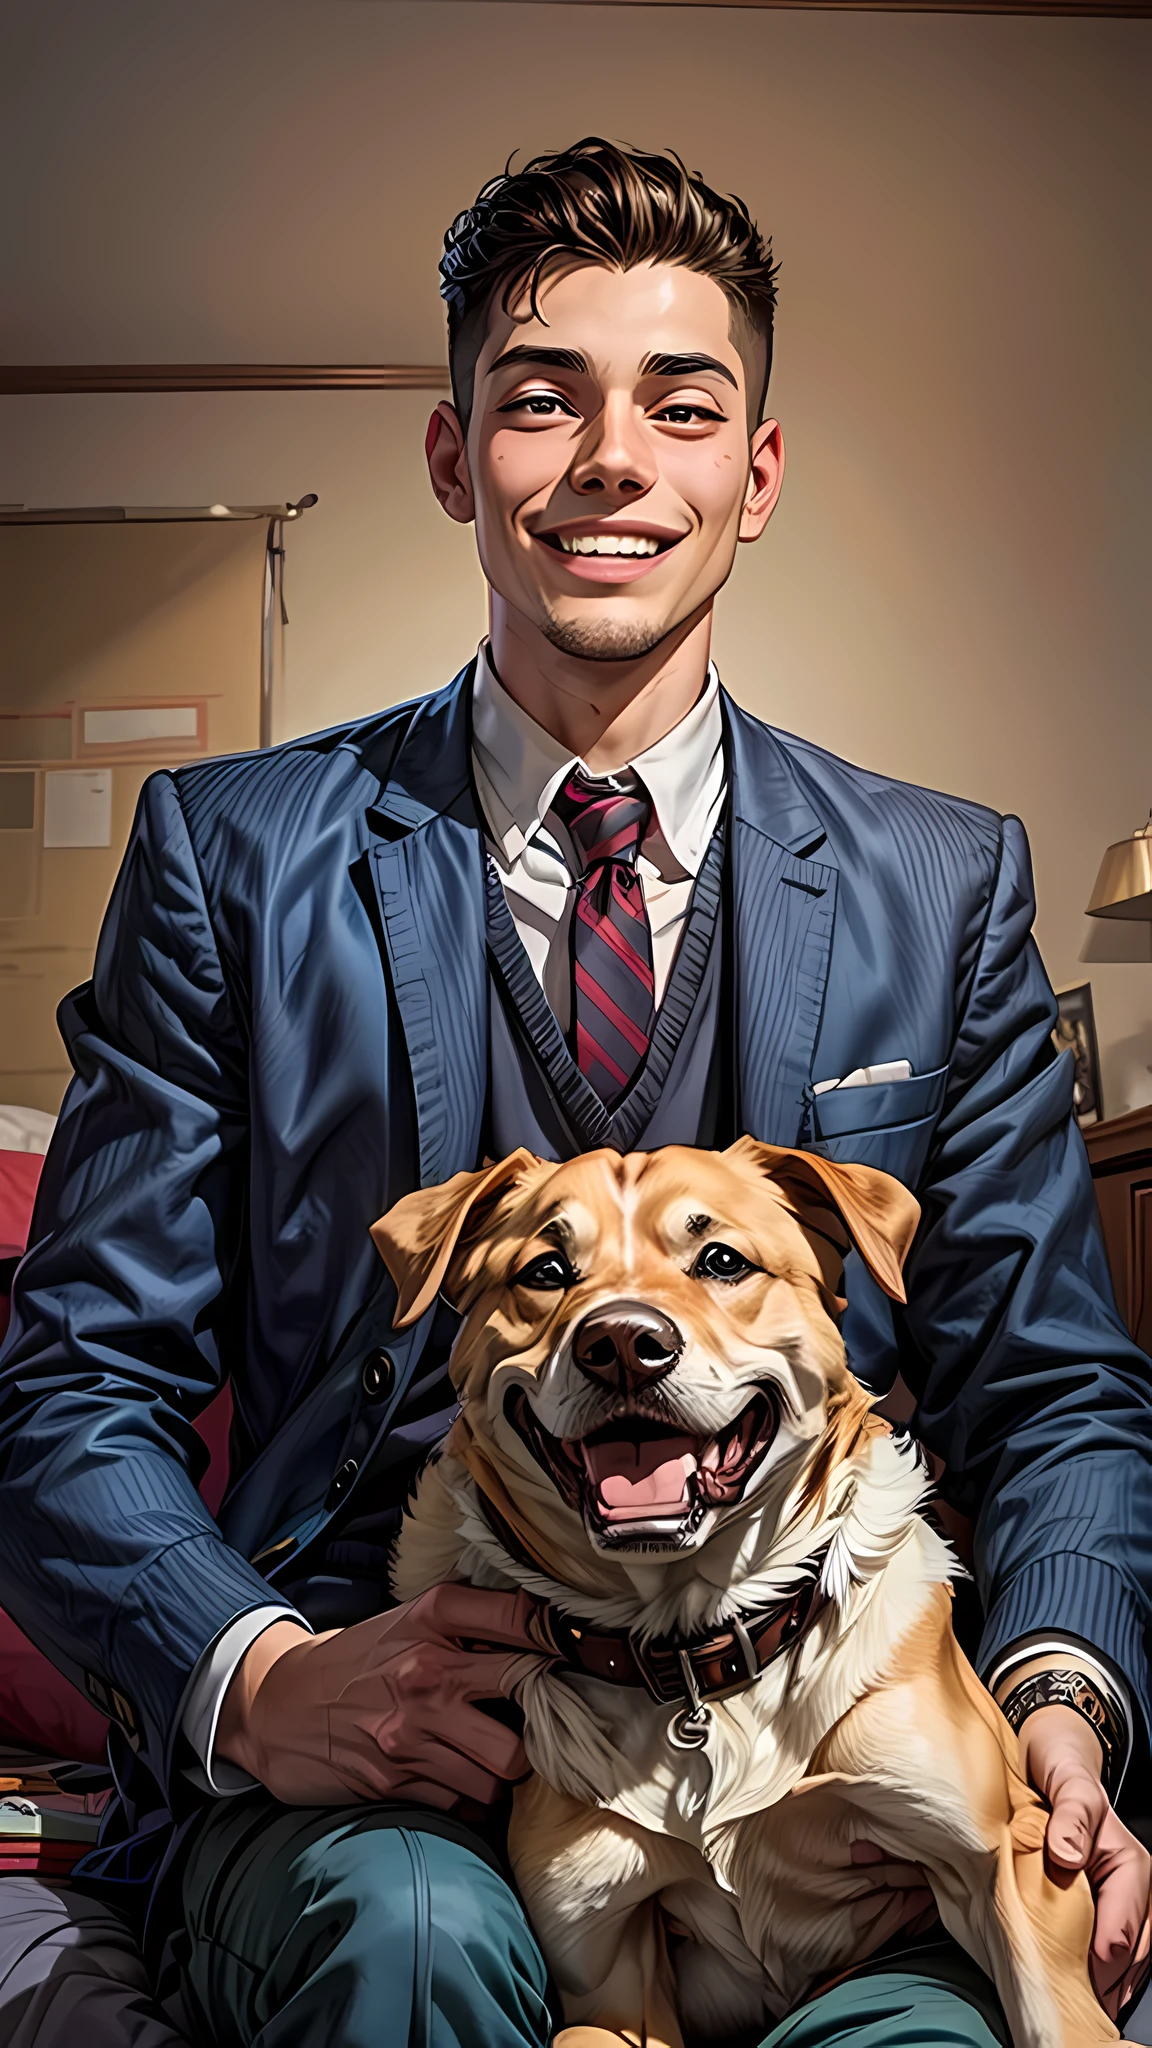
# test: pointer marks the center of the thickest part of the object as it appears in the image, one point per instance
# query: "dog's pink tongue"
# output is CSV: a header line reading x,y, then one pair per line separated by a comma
x,y
641,1479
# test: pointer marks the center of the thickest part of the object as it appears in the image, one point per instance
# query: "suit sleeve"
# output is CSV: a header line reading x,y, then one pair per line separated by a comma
x,y
1028,1385
130,1307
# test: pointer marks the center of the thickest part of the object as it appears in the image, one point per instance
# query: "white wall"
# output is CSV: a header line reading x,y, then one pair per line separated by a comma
x,y
955,586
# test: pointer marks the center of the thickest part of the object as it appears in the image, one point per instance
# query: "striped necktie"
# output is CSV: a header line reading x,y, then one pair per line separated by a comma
x,y
613,1002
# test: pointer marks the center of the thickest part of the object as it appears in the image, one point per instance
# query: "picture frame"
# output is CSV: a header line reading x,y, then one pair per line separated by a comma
x,y
1075,1032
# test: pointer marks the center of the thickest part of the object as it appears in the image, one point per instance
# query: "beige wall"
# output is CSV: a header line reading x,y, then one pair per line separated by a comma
x,y
955,586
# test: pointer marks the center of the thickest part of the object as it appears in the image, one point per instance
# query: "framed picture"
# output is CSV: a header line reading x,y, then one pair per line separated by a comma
x,y
1076,1033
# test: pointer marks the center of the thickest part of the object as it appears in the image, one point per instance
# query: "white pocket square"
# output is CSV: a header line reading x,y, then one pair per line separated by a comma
x,y
868,1077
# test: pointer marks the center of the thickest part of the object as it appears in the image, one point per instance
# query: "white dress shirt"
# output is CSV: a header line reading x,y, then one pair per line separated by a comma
x,y
518,768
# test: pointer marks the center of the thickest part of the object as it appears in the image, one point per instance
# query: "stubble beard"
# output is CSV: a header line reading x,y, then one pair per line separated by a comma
x,y
603,639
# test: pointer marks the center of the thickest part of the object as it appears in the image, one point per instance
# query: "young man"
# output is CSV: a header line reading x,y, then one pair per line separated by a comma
x,y
577,898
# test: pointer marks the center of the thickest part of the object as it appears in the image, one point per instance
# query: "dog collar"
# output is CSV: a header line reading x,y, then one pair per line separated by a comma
x,y
688,1671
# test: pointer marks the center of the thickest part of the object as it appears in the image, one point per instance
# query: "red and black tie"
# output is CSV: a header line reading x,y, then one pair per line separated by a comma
x,y
613,991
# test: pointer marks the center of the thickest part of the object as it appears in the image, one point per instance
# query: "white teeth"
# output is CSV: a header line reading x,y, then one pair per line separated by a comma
x,y
609,544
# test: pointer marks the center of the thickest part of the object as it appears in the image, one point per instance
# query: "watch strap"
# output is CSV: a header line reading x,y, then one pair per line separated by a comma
x,y
1086,1696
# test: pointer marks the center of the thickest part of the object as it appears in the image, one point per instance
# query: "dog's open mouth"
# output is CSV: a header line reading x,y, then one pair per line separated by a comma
x,y
634,1478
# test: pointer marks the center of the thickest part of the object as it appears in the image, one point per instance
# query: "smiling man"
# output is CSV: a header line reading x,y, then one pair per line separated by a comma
x,y
578,898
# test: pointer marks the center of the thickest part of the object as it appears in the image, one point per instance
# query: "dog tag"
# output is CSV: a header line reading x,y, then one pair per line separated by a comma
x,y
689,1728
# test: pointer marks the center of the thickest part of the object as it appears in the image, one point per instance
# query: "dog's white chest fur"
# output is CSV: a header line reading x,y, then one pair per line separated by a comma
x,y
606,1749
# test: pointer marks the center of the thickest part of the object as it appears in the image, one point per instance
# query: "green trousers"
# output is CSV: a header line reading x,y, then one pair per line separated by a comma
x,y
377,1927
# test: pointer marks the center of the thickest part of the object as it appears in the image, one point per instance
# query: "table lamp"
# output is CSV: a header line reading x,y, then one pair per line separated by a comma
x,y
1124,884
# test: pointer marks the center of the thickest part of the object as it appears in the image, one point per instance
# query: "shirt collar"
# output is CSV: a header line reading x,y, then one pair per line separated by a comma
x,y
519,767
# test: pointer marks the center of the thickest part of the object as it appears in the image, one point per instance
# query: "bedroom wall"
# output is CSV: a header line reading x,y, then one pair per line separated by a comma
x,y
954,588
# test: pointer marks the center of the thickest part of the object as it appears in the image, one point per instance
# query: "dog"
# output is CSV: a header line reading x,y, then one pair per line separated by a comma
x,y
747,1661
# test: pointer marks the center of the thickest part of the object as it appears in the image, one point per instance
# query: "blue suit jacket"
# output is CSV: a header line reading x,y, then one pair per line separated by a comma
x,y
286,1029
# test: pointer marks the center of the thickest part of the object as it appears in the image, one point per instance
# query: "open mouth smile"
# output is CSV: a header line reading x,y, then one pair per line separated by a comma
x,y
607,556
635,1479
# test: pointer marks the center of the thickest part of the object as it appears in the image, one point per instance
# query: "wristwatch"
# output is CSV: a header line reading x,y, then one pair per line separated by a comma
x,y
1071,1689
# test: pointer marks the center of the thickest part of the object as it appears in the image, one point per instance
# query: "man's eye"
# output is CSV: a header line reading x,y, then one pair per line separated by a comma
x,y
543,404
684,415
722,1262
547,1274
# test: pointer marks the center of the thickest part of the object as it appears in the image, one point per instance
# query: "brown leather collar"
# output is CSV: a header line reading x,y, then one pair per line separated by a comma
x,y
688,1669
675,1670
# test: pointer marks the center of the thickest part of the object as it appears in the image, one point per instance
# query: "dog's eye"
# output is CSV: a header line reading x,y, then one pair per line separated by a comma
x,y
549,1272
721,1262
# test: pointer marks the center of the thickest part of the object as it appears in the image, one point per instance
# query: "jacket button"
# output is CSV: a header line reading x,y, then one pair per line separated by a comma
x,y
341,1482
377,1376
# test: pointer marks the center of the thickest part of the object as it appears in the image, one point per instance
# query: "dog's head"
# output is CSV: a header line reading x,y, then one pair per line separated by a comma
x,y
656,1332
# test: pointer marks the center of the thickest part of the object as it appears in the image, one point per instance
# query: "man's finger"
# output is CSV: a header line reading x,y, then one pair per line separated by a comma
x,y
487,1742
1121,1904
477,1614
1075,1817
441,1763
422,1792
485,1674
1138,1974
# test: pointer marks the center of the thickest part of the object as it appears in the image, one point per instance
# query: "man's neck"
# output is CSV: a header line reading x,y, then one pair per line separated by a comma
x,y
607,712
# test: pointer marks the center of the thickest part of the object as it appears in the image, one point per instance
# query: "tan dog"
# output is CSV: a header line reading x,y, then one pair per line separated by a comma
x,y
755,1667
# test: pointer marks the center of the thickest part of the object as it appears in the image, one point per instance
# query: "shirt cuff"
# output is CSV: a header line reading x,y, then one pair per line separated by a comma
x,y
1068,1597
1066,1649
209,1683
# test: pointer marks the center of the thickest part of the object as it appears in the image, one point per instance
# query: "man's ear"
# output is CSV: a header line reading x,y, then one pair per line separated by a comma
x,y
878,1214
445,446
417,1237
767,466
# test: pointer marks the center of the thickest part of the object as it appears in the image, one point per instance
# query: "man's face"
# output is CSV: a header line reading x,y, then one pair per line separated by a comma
x,y
607,462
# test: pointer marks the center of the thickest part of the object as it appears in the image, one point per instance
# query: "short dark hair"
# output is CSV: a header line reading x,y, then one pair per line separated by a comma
x,y
598,202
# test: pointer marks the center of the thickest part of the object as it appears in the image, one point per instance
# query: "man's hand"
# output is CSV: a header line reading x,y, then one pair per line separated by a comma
x,y
1062,1758
384,1710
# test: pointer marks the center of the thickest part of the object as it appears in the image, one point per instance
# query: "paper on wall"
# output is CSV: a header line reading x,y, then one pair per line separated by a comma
x,y
136,722
78,807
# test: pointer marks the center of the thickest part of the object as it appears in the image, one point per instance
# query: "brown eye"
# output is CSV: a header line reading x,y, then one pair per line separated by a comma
x,y
546,1275
722,1262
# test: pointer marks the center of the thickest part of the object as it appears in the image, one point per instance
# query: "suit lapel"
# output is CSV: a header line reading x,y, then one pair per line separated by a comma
x,y
426,861
784,904
427,867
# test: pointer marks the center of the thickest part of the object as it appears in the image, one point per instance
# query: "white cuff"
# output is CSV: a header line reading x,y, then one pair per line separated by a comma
x,y
205,1697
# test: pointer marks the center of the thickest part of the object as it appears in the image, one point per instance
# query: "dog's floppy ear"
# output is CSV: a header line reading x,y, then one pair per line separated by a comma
x,y
877,1211
417,1237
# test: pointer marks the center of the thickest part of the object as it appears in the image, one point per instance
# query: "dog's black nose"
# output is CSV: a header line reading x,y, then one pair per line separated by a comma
x,y
626,1345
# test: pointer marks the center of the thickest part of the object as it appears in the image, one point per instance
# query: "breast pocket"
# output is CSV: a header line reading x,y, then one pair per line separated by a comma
x,y
888,1126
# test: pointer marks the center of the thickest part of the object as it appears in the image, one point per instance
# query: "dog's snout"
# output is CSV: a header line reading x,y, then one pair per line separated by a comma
x,y
626,1344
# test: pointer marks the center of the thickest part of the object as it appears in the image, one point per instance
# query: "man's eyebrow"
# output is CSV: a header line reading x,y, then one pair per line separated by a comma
x,y
686,366
547,358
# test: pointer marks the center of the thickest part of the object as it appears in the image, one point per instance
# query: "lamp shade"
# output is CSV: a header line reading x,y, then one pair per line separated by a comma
x,y
1124,884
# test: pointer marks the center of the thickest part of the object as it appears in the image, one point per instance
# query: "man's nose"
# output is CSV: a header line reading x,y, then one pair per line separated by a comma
x,y
626,1345
614,456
